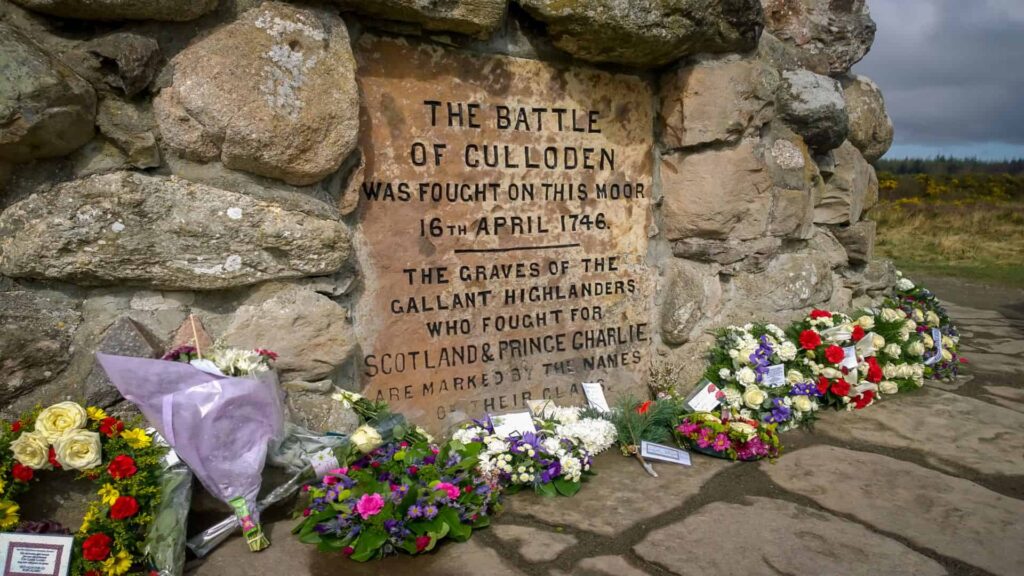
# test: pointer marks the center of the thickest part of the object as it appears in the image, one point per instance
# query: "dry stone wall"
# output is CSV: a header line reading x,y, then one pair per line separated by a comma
x,y
453,206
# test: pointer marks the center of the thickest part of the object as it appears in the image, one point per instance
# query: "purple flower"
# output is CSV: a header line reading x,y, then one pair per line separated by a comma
x,y
415,511
779,412
430,511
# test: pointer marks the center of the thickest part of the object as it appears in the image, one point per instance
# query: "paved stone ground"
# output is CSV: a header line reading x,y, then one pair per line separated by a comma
x,y
927,483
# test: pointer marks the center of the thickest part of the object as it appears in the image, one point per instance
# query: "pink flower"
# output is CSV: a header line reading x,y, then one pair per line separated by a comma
x,y
688,428
369,505
306,512
422,542
451,489
339,471
413,470
721,443
330,480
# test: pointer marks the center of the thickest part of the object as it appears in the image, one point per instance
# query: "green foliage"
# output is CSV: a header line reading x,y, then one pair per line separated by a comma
x,y
649,420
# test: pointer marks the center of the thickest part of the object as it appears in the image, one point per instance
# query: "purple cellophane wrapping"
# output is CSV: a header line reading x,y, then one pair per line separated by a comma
x,y
221,426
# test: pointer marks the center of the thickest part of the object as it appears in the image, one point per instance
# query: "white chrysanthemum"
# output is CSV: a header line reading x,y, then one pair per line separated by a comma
x,y
745,376
466,435
787,351
595,435
725,374
904,284
571,468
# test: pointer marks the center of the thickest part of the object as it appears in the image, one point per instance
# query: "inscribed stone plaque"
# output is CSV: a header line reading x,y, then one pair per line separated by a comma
x,y
503,223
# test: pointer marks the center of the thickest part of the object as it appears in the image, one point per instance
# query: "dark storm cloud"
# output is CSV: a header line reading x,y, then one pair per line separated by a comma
x,y
952,71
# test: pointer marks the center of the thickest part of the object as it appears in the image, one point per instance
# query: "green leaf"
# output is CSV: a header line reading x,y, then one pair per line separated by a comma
x,y
310,538
460,532
369,543
565,487
547,489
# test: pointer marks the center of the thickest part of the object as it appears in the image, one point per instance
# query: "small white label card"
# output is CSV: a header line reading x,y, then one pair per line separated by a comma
x,y
664,453
706,397
323,462
35,554
775,376
595,396
514,423
849,357
937,339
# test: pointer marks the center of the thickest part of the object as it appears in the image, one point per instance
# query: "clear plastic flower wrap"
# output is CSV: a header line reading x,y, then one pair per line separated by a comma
x,y
220,426
165,542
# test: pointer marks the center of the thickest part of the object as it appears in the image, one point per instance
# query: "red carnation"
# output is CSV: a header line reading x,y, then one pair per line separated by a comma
x,y
124,507
822,384
16,426
422,542
267,353
348,550
22,473
840,387
815,314
96,548
111,426
809,339
874,370
863,399
52,457
858,333
834,354
92,573
122,467
643,408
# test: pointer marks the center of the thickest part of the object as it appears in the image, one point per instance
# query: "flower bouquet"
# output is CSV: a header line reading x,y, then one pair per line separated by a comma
x,y
734,439
922,307
124,464
553,460
400,497
754,366
220,412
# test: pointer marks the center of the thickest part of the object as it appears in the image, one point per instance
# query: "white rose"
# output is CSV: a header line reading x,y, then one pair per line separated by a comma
x,y
754,397
79,450
877,341
58,419
909,326
946,355
928,342
946,342
831,373
890,371
802,403
366,439
932,318
904,284
746,431
906,371
31,449
866,322
733,397
787,351
794,376
916,349
724,374
746,376
888,387
893,350
890,315
917,315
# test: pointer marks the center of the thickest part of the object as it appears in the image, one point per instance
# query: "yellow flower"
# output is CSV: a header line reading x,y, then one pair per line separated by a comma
x,y
8,514
108,494
137,438
95,413
117,564
3,485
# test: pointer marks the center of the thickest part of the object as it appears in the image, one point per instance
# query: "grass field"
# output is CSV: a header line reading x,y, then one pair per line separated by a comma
x,y
970,226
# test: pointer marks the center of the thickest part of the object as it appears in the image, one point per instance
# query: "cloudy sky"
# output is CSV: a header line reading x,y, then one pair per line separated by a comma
x,y
952,72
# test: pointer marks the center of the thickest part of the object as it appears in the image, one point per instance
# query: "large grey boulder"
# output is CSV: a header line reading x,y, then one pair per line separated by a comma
x,y
164,232
170,10
272,93
36,332
716,100
840,31
473,17
46,110
813,106
648,33
311,334
851,189
871,129
691,292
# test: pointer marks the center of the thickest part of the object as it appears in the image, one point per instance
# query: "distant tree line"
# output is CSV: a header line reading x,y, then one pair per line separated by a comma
x,y
949,166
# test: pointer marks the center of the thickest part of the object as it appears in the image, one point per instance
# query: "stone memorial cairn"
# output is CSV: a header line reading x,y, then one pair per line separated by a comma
x,y
162,158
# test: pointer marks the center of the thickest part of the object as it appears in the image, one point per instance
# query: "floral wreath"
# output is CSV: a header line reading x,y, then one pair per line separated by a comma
x,y
124,464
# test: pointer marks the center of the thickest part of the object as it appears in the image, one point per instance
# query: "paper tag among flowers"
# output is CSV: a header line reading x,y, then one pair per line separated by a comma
x,y
595,396
514,423
705,398
775,377
323,462
849,357
866,345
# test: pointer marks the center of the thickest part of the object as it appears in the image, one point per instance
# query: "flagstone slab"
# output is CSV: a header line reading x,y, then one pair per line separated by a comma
x,y
952,431
621,494
952,516
602,566
534,545
1005,396
775,537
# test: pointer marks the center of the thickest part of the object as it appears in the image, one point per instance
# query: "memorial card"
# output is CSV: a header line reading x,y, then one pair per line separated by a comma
x,y
35,554
653,451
